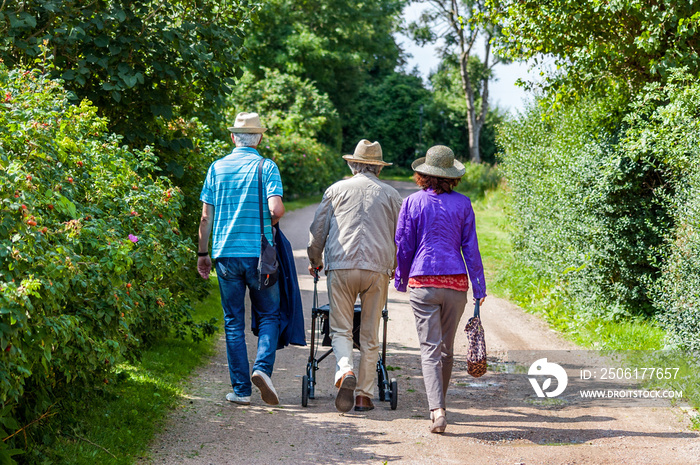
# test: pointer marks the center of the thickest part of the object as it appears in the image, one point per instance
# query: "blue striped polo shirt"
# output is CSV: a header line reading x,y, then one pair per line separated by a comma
x,y
231,187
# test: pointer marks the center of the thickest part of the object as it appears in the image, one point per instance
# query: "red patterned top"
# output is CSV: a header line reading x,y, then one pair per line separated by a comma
x,y
457,282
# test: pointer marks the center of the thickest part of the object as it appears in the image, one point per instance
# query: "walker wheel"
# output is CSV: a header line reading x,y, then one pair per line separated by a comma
x,y
304,391
394,394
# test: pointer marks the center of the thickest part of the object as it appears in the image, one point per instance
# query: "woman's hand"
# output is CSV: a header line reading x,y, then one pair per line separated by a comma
x,y
481,301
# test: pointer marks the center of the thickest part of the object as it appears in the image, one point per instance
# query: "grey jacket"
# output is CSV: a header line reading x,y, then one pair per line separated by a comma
x,y
355,224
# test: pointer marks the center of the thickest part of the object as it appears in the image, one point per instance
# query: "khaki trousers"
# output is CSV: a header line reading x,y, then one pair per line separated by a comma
x,y
343,288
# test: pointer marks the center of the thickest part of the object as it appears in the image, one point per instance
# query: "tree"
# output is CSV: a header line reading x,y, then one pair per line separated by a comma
x,y
155,70
407,118
337,44
598,46
460,24
137,61
450,110
388,110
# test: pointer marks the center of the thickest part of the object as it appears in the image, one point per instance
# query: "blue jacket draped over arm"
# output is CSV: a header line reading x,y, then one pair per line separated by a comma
x,y
291,309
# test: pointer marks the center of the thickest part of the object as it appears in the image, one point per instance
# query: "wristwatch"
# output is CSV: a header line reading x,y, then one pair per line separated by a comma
x,y
202,254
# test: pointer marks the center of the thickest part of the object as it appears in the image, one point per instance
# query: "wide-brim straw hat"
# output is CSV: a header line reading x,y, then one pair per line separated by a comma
x,y
367,152
439,161
247,123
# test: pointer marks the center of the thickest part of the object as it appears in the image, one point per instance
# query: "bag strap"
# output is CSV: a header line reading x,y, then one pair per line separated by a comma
x,y
476,308
260,197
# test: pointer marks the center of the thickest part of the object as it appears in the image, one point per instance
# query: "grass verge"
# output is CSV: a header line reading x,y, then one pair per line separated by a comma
x,y
494,241
115,425
507,279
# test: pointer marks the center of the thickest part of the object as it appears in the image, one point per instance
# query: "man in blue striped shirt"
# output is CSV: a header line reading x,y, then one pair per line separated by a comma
x,y
231,210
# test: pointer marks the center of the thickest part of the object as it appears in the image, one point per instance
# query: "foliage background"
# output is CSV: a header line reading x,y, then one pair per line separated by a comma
x,y
135,61
603,165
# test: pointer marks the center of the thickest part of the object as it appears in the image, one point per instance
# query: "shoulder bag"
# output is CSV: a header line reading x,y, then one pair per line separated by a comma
x,y
268,267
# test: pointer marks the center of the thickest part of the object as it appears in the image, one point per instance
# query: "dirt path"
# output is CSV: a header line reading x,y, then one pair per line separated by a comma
x,y
484,426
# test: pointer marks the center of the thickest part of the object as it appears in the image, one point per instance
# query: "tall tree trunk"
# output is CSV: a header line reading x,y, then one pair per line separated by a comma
x,y
481,118
474,134
474,122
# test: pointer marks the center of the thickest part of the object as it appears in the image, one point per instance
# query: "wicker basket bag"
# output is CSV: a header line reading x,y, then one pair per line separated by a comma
x,y
476,356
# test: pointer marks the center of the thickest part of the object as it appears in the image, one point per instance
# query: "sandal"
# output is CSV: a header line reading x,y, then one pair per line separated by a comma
x,y
439,424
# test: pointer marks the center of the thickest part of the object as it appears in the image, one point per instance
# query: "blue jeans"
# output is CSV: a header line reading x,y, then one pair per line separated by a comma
x,y
234,275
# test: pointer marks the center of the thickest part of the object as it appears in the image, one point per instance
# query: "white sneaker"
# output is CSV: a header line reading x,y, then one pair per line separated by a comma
x,y
241,400
267,390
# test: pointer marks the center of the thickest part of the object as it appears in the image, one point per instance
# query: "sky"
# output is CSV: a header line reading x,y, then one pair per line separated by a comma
x,y
504,93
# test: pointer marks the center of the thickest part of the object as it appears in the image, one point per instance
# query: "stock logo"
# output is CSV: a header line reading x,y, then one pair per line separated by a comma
x,y
544,368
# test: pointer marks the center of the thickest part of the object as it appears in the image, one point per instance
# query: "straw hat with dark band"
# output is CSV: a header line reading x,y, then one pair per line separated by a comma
x,y
439,161
247,123
367,152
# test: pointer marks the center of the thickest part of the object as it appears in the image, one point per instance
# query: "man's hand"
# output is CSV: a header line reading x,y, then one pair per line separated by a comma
x,y
205,225
314,271
204,266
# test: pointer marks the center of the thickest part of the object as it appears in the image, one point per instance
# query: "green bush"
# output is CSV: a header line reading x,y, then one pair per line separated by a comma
x,y
679,287
288,106
185,149
478,179
547,164
665,124
307,167
389,110
303,134
585,213
92,261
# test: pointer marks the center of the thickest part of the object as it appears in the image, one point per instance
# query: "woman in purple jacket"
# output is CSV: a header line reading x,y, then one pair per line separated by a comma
x,y
436,246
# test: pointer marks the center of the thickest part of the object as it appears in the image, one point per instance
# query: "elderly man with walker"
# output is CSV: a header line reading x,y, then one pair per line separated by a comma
x,y
354,229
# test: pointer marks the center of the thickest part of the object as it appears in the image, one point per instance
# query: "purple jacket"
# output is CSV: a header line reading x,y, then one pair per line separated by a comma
x,y
434,232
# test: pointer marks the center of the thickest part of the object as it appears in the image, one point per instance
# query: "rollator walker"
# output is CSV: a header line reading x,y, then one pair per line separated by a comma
x,y
320,326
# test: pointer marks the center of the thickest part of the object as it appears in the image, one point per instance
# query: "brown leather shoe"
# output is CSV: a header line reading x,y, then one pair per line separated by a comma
x,y
346,390
363,404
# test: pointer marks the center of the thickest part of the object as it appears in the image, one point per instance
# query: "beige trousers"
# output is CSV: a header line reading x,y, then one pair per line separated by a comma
x,y
343,288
